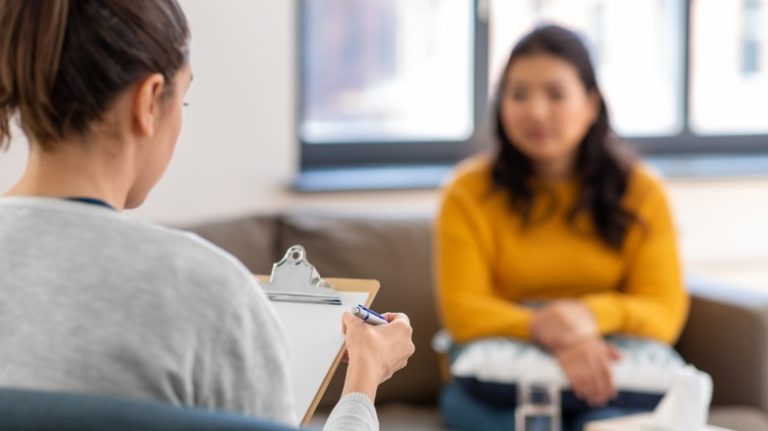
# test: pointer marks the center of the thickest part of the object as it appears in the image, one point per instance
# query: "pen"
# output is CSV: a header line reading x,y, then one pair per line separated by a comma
x,y
368,315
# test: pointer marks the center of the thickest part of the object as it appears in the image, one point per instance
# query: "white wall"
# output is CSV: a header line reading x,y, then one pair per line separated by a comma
x,y
236,152
12,162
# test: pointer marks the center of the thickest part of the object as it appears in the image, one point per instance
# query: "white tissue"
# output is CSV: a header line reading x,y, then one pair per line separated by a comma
x,y
685,406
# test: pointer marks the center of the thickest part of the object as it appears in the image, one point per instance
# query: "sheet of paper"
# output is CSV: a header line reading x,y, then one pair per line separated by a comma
x,y
314,340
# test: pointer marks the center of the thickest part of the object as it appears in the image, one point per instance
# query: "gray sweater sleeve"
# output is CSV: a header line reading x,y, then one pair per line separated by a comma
x,y
244,368
353,412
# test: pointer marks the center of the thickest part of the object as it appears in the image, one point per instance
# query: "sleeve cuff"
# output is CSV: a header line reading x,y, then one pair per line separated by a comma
x,y
608,311
355,412
359,398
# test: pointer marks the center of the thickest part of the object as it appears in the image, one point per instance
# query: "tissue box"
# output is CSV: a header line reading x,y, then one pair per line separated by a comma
x,y
633,423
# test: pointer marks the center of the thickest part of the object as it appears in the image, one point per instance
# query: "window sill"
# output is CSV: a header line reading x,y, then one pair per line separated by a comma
x,y
711,165
412,177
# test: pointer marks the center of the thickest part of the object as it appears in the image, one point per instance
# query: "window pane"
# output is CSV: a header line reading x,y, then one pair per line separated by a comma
x,y
637,47
729,67
387,70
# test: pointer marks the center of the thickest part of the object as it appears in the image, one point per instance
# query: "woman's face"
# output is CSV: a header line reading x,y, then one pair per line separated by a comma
x,y
545,109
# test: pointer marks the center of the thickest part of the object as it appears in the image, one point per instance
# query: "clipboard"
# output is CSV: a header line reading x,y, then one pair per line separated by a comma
x,y
313,329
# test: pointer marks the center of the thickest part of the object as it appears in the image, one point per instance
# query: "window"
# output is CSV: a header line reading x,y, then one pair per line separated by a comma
x,y
405,82
384,70
729,73
385,79
750,56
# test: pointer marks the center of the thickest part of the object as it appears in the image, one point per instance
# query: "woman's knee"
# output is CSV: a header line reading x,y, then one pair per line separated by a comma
x,y
460,411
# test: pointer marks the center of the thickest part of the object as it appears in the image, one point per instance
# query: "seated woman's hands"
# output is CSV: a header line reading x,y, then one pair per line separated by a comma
x,y
375,352
587,365
568,329
563,323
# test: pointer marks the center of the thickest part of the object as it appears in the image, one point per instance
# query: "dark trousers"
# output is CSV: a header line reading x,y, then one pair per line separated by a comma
x,y
472,405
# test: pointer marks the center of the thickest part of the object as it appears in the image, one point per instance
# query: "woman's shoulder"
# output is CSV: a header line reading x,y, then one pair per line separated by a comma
x,y
188,259
210,273
646,186
201,255
472,175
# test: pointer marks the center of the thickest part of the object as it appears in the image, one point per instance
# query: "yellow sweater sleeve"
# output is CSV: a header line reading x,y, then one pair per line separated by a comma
x,y
652,302
469,305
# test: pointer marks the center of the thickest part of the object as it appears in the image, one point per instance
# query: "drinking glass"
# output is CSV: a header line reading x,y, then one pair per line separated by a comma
x,y
538,407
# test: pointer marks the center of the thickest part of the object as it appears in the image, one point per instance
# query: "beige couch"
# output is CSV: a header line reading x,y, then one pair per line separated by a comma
x,y
726,335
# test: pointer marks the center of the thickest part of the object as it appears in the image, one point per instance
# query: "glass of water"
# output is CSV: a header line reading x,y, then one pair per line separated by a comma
x,y
538,407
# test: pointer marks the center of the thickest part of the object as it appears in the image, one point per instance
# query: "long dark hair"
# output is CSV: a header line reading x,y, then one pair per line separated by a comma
x,y
62,62
602,165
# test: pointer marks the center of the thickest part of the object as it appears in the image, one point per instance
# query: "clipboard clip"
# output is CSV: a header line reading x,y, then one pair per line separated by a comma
x,y
294,279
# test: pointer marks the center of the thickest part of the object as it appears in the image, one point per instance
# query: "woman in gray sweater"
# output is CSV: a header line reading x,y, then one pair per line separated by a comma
x,y
94,301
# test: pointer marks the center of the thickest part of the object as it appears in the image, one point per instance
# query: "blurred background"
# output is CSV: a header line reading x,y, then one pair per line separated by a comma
x,y
365,105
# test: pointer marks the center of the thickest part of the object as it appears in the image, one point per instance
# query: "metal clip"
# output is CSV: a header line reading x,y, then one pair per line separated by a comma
x,y
294,279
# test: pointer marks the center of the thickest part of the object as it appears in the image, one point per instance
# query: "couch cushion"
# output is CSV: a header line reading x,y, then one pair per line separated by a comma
x,y
397,252
250,239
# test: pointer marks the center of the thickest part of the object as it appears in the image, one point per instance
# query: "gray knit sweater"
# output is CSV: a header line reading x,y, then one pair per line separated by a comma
x,y
94,301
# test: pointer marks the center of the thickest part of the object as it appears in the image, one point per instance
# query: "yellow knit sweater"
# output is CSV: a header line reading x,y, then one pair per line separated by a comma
x,y
488,264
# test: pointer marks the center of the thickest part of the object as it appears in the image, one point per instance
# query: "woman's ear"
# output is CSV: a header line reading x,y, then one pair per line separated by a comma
x,y
146,107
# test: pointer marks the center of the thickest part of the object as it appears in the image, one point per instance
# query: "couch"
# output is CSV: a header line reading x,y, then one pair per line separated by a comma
x,y
726,334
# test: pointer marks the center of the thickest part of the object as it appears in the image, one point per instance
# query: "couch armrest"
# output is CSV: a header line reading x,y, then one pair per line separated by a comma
x,y
727,336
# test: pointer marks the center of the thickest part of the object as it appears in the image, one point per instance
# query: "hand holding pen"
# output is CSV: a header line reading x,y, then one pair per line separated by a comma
x,y
368,316
377,345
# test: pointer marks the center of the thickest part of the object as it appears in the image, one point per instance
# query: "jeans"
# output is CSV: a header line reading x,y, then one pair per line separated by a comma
x,y
462,411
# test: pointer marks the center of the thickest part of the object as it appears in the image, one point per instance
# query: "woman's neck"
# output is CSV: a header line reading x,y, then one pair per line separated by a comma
x,y
555,171
81,169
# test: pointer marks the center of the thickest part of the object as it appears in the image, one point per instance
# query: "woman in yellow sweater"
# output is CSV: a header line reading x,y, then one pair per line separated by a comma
x,y
557,240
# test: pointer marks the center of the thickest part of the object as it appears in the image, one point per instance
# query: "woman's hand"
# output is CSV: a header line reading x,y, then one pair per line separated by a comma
x,y
375,352
587,365
563,323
